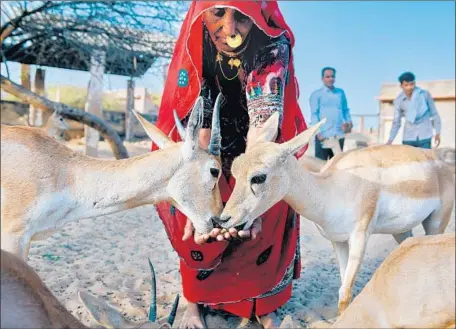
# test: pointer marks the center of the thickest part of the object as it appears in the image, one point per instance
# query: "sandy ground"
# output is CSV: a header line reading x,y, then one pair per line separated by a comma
x,y
107,256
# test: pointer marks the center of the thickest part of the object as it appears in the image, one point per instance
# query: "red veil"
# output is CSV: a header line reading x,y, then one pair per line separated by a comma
x,y
242,274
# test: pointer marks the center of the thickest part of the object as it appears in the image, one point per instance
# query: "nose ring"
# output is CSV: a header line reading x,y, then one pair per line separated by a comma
x,y
234,41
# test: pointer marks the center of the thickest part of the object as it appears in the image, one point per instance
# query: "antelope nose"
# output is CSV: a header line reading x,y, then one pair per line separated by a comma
x,y
215,221
224,219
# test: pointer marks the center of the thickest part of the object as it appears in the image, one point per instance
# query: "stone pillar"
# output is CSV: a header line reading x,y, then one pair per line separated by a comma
x,y
94,101
36,115
129,116
361,124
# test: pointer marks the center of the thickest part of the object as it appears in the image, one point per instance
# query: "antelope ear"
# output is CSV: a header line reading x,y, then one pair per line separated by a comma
x,y
268,131
179,126
157,136
194,124
298,142
104,314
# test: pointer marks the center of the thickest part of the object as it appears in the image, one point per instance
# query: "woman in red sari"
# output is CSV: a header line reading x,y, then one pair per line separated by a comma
x,y
243,50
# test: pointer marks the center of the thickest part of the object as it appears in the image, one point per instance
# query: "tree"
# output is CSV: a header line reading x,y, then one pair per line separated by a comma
x,y
136,36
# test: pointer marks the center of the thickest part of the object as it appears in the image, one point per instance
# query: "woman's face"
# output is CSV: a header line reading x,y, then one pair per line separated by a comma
x,y
223,23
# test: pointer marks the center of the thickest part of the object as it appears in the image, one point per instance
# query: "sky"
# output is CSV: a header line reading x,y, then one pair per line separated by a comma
x,y
368,42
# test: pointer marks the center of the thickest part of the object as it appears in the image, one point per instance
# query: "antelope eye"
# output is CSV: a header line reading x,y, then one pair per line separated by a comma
x,y
215,172
258,179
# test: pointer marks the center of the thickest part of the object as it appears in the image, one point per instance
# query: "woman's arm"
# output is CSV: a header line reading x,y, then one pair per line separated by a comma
x,y
265,85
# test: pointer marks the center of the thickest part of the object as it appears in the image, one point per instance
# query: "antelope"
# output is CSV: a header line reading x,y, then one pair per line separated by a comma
x,y
413,288
45,185
54,126
386,189
26,302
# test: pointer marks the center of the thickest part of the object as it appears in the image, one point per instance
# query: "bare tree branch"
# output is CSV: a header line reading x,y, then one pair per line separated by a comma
x,y
89,119
6,32
16,21
65,33
6,63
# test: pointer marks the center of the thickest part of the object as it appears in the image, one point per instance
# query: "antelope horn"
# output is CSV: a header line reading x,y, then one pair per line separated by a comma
x,y
153,292
216,137
179,126
197,112
196,118
172,315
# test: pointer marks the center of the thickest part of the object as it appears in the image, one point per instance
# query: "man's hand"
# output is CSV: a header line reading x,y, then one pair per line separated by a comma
x,y
347,127
437,140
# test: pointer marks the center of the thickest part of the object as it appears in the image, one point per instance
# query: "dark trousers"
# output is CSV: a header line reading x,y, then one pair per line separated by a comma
x,y
325,154
424,144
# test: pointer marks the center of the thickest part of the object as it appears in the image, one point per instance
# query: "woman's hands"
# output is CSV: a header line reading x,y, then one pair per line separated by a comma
x,y
218,234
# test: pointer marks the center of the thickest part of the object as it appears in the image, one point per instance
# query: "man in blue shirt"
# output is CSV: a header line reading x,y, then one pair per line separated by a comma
x,y
329,102
418,108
